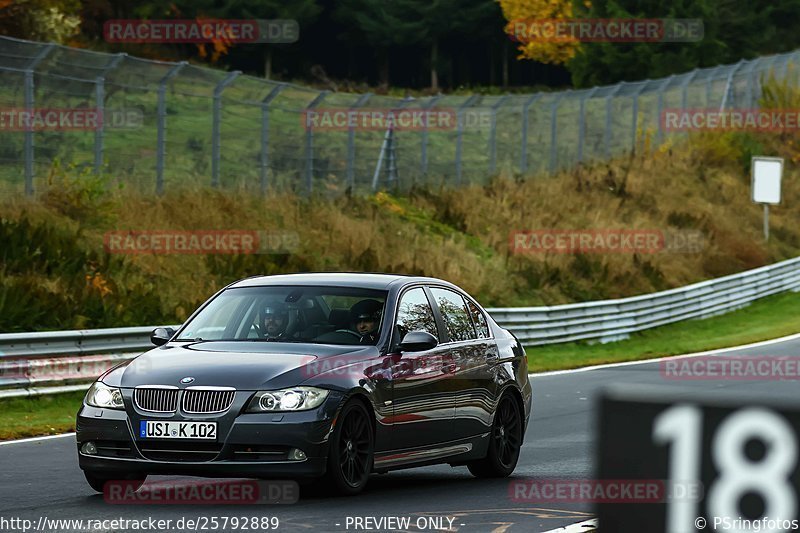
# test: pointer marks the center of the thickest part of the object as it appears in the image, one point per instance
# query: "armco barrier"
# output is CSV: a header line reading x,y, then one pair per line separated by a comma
x,y
58,361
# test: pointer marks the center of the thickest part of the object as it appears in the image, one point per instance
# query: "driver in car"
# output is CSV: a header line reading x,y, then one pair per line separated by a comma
x,y
275,318
366,318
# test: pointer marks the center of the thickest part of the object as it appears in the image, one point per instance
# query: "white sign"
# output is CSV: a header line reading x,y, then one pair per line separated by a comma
x,y
766,179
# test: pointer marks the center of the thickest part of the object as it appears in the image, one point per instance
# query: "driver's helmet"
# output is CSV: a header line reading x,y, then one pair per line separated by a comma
x,y
275,318
365,317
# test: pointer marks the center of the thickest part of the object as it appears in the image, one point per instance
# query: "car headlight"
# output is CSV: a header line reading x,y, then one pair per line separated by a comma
x,y
101,395
294,399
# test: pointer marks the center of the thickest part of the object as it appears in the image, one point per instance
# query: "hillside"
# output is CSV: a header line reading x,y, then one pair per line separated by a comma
x,y
56,273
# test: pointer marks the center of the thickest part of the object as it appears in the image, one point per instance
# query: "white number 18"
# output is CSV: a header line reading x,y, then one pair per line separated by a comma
x,y
682,427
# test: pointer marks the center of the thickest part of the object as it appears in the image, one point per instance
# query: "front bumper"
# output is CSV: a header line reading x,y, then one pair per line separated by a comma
x,y
248,445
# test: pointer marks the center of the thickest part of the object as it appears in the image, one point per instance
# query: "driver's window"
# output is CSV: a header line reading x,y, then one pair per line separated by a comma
x,y
415,314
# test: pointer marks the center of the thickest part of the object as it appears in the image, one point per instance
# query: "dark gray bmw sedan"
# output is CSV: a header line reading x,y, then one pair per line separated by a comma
x,y
306,376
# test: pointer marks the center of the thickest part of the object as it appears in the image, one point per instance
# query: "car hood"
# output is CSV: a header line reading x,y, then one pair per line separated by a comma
x,y
242,365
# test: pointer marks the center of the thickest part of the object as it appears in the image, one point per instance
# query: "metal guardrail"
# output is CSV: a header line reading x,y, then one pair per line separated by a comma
x,y
61,361
64,361
611,320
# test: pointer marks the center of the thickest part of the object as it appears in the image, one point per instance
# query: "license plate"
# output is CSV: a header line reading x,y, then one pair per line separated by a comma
x,y
157,429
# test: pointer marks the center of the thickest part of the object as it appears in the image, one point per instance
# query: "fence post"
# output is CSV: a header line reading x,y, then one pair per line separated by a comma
x,y
215,125
161,135
607,131
424,146
100,96
749,94
29,97
493,134
661,89
265,134
635,113
554,130
460,133
523,157
585,95
685,88
351,143
709,83
728,94
310,143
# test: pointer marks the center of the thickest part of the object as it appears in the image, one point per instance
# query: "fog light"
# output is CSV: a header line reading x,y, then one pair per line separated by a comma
x,y
297,455
89,448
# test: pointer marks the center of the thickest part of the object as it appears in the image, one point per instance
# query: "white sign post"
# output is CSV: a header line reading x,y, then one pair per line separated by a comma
x,y
766,175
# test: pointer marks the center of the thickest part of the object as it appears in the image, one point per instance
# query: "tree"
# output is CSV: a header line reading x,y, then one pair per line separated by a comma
x,y
526,12
381,24
440,20
302,11
40,20
733,30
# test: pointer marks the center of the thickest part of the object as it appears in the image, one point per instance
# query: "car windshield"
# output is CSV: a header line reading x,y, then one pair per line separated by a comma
x,y
322,315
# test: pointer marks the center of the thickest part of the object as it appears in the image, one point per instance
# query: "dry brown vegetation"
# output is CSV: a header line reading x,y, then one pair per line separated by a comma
x,y
54,245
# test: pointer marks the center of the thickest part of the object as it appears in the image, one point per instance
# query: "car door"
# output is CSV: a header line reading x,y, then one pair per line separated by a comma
x,y
473,358
423,402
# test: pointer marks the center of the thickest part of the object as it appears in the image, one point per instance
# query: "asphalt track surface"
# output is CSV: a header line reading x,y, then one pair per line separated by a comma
x,y
42,479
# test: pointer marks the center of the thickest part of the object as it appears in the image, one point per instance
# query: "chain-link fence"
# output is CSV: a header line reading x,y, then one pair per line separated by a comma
x,y
173,124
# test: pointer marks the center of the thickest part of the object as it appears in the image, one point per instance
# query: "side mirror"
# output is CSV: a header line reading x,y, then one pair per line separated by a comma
x,y
161,336
418,341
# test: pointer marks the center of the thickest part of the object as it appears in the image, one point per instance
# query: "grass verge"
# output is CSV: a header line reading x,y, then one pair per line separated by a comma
x,y
40,415
769,318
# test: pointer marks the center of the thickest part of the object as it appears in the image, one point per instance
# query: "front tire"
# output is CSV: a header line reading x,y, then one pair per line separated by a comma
x,y
98,481
505,442
351,453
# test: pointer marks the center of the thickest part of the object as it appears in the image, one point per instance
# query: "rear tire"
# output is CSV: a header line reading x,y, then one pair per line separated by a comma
x,y
98,481
505,442
351,453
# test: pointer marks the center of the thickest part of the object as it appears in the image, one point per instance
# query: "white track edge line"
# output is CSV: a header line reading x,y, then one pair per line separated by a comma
x,y
575,528
788,338
35,439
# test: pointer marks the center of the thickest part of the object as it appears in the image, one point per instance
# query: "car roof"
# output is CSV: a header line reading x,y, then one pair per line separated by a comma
x,y
336,279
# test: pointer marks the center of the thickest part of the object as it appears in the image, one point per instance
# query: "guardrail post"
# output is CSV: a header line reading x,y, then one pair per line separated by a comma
x,y
351,143
215,126
554,131
30,69
100,97
161,135
582,121
310,143
424,146
523,157
493,134
607,130
460,133
265,135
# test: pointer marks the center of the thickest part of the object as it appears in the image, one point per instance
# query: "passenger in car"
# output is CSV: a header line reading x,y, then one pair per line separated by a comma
x,y
366,319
